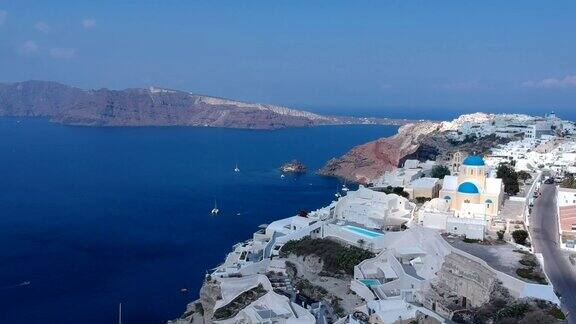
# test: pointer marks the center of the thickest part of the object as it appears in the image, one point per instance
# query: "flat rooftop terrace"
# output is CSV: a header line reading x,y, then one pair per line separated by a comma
x,y
500,256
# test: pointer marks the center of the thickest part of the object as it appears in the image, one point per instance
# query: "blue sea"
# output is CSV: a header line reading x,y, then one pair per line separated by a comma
x,y
91,217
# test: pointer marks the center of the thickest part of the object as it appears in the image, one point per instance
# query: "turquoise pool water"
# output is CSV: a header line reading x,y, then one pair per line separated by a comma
x,y
370,282
362,231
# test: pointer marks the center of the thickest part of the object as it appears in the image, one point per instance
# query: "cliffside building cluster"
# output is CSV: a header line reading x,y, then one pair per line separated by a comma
x,y
417,272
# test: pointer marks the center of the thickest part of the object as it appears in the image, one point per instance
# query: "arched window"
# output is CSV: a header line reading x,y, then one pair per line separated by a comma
x,y
467,201
488,203
447,198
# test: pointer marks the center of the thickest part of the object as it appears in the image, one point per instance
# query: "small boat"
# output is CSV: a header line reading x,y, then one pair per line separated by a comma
x,y
215,210
282,176
344,188
236,169
184,290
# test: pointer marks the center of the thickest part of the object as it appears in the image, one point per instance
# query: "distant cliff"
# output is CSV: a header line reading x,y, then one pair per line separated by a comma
x,y
154,107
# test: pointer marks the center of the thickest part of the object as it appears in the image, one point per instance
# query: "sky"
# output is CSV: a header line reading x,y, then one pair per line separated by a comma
x,y
397,58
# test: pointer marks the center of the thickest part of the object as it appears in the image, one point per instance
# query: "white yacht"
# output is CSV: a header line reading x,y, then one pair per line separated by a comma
x,y
215,210
236,169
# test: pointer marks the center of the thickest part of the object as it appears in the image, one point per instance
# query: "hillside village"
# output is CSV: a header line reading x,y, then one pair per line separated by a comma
x,y
449,240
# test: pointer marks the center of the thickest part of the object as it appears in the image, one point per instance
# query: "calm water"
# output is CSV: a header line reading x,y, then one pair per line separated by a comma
x,y
97,216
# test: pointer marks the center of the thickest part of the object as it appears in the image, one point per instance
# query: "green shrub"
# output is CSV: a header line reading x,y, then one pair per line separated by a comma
x,y
530,274
439,171
509,178
338,309
395,190
520,236
557,313
421,200
524,272
500,234
337,258
529,261
513,311
244,299
469,240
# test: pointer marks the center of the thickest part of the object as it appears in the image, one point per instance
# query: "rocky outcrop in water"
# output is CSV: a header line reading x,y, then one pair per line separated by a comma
x,y
154,107
293,166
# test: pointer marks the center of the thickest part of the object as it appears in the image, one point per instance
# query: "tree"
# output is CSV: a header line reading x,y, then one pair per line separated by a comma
x,y
439,171
500,234
396,190
303,213
520,236
400,192
569,181
523,175
509,178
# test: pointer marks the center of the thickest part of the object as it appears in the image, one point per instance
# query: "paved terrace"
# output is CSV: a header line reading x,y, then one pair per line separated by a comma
x,y
500,256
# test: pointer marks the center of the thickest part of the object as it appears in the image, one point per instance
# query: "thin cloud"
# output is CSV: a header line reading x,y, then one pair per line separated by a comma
x,y
29,48
43,27
89,23
565,82
465,85
3,16
63,53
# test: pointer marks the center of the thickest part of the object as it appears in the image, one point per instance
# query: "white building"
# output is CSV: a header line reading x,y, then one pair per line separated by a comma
x,y
425,187
269,308
373,209
402,177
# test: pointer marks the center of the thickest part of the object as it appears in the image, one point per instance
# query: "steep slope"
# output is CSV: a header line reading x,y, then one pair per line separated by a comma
x,y
367,161
421,141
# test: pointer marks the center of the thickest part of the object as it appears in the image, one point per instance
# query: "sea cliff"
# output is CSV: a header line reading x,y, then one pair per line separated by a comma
x,y
422,141
367,161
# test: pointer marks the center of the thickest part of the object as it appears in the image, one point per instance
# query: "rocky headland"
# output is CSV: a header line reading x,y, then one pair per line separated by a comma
x,y
421,141
155,107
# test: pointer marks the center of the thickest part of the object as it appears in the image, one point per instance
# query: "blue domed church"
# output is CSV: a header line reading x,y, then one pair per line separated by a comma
x,y
471,193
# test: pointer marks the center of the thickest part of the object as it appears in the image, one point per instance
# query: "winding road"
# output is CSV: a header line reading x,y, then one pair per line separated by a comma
x,y
544,232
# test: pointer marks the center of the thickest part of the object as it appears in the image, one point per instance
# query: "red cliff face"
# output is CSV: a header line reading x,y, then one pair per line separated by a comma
x,y
368,161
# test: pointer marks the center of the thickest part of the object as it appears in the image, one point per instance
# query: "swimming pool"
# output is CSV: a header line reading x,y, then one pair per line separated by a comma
x,y
370,282
362,231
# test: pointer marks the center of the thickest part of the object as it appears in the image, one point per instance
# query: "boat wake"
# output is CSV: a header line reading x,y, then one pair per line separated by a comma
x,y
22,284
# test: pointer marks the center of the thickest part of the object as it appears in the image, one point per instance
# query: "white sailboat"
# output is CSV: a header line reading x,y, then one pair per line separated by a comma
x,y
236,169
215,210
